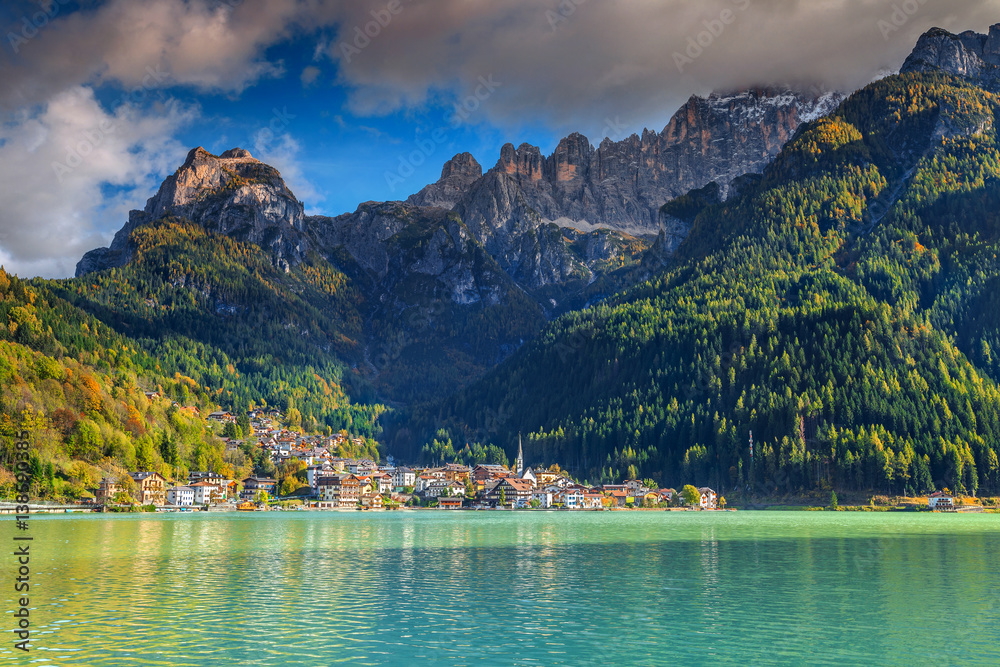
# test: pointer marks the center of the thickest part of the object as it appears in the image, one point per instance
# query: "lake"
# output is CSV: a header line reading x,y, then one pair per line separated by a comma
x,y
499,588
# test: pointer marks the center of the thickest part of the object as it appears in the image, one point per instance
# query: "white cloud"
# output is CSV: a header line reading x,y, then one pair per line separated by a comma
x,y
70,168
282,153
70,172
309,75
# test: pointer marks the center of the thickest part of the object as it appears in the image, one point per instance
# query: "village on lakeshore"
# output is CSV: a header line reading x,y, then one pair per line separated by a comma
x,y
311,472
331,482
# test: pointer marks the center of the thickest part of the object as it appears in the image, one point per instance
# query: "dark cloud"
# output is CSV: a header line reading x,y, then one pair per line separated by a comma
x,y
576,63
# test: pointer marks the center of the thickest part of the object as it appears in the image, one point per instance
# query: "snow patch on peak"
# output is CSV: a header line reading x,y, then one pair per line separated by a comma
x,y
823,106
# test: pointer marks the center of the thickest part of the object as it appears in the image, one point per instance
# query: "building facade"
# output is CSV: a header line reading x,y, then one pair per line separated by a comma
x,y
150,488
180,495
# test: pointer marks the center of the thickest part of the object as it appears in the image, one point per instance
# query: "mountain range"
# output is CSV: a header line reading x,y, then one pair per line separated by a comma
x,y
479,261
818,268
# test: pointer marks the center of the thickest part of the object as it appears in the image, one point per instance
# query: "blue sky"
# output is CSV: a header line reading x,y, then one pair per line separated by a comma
x,y
345,156
339,110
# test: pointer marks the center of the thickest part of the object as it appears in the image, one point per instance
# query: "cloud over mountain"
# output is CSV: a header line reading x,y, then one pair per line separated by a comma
x,y
576,63
601,67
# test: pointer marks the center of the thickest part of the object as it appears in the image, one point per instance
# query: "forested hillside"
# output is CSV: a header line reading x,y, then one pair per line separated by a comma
x,y
116,370
77,392
842,307
218,310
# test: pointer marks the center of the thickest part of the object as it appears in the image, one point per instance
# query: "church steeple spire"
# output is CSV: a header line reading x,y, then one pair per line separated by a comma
x,y
519,463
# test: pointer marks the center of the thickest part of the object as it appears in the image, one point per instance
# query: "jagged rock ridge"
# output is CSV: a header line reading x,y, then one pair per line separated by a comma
x,y
619,185
623,184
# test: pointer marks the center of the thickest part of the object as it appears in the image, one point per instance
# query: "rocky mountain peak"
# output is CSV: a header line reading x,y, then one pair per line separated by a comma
x,y
457,175
462,165
203,175
968,54
232,193
525,162
622,184
234,153
571,158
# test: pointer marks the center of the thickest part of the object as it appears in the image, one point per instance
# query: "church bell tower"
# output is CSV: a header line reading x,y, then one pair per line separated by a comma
x,y
519,463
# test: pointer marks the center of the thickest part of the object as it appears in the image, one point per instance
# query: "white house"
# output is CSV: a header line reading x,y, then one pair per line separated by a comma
x,y
572,498
544,498
314,472
561,482
206,493
328,487
708,498
363,467
180,495
383,481
636,488
442,488
210,477
939,500
403,477
423,481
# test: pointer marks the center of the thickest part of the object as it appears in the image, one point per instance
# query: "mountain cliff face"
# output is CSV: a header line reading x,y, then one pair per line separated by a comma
x,y
969,54
522,209
509,209
500,217
232,194
623,184
392,242
832,306
495,207
467,269
439,309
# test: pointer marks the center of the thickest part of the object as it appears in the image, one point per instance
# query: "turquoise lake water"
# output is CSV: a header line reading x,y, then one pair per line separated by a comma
x,y
500,588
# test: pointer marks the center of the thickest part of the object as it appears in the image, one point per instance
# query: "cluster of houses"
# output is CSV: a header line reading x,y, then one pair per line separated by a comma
x,y
282,444
341,483
210,488
334,482
203,488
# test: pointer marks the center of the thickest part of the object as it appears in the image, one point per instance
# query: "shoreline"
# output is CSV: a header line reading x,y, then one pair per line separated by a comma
x,y
64,510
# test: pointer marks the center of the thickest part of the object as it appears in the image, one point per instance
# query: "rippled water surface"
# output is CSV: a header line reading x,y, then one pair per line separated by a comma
x,y
502,588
